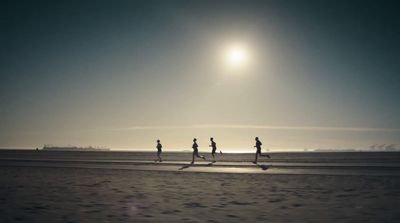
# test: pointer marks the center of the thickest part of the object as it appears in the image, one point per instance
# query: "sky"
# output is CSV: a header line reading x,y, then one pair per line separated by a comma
x,y
122,74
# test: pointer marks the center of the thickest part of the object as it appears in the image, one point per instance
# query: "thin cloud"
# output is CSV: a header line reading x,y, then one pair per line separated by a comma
x,y
266,127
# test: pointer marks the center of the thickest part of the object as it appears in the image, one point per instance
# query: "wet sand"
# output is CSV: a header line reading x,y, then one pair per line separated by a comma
x,y
58,194
370,169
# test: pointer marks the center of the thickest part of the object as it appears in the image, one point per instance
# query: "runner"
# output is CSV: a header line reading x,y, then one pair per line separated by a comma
x,y
159,146
214,148
196,151
258,152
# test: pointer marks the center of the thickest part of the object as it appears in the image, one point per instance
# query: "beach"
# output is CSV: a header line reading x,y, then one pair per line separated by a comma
x,y
193,111
107,193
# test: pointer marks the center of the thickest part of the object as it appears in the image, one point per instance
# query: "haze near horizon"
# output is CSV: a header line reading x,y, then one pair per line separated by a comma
x,y
124,74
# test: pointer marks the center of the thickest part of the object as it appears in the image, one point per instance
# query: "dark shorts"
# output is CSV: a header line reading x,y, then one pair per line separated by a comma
x,y
258,151
158,152
213,151
195,152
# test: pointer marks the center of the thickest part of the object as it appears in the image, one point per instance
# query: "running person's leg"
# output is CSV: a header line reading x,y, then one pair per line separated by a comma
x,y
265,155
203,157
159,156
194,153
258,152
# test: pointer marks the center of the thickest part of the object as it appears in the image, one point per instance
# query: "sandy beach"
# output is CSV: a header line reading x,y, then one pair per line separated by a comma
x,y
70,194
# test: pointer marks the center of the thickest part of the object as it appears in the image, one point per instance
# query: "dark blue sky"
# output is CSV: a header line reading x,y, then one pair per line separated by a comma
x,y
96,72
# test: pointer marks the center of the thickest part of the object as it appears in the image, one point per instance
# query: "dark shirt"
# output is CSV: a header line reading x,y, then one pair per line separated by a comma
x,y
159,146
195,146
214,145
258,145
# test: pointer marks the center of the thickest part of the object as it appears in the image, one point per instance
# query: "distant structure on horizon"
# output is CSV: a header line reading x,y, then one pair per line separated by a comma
x,y
73,148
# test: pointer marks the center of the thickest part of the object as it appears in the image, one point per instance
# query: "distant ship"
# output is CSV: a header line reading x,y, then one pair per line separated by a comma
x,y
73,148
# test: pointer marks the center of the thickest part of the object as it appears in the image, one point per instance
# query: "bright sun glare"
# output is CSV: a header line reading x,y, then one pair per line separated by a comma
x,y
236,56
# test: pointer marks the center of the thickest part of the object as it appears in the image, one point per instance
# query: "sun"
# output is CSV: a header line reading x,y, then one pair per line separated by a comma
x,y
236,56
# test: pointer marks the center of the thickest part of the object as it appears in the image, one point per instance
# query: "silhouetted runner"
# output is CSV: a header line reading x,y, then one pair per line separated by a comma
x,y
258,152
159,146
214,148
196,151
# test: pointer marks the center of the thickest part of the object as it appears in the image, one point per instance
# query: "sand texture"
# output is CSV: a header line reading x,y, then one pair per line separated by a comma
x,y
36,194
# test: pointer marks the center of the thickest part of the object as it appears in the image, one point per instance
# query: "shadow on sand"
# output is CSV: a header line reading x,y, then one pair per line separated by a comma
x,y
185,166
189,165
263,167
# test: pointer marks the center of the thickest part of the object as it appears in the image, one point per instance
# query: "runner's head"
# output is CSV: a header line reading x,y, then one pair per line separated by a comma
x,y
194,140
211,139
256,138
158,140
